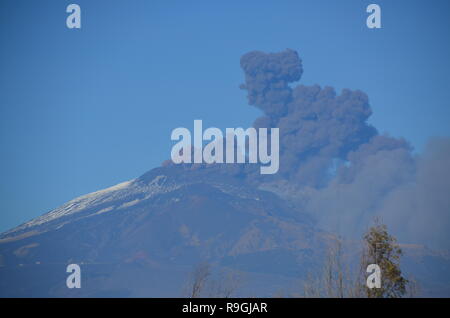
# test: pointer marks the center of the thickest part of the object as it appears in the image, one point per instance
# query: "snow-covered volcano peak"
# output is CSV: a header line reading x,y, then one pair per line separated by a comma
x,y
118,196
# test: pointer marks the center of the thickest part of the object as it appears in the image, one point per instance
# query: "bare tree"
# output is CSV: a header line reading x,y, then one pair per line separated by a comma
x,y
199,278
226,283
311,287
202,282
335,280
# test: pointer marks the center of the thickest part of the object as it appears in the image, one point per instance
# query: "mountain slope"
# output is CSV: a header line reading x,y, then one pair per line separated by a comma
x,y
142,238
159,226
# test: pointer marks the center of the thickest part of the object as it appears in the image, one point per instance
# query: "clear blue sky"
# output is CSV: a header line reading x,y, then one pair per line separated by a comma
x,y
82,110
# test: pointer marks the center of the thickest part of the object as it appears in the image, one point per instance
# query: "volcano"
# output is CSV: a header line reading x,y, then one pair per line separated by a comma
x,y
142,237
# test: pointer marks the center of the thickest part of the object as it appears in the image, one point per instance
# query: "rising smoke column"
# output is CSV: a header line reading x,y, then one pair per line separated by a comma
x,y
316,125
343,171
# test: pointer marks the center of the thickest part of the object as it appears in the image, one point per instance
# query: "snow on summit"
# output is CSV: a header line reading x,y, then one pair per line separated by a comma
x,y
121,195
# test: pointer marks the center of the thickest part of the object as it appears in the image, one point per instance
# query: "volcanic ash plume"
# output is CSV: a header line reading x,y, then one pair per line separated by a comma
x,y
337,166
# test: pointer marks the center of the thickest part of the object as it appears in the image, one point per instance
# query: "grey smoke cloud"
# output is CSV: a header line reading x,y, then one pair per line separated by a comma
x,y
316,125
420,210
267,77
337,166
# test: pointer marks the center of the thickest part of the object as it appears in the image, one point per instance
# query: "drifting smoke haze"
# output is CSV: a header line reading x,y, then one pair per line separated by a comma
x,y
337,167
